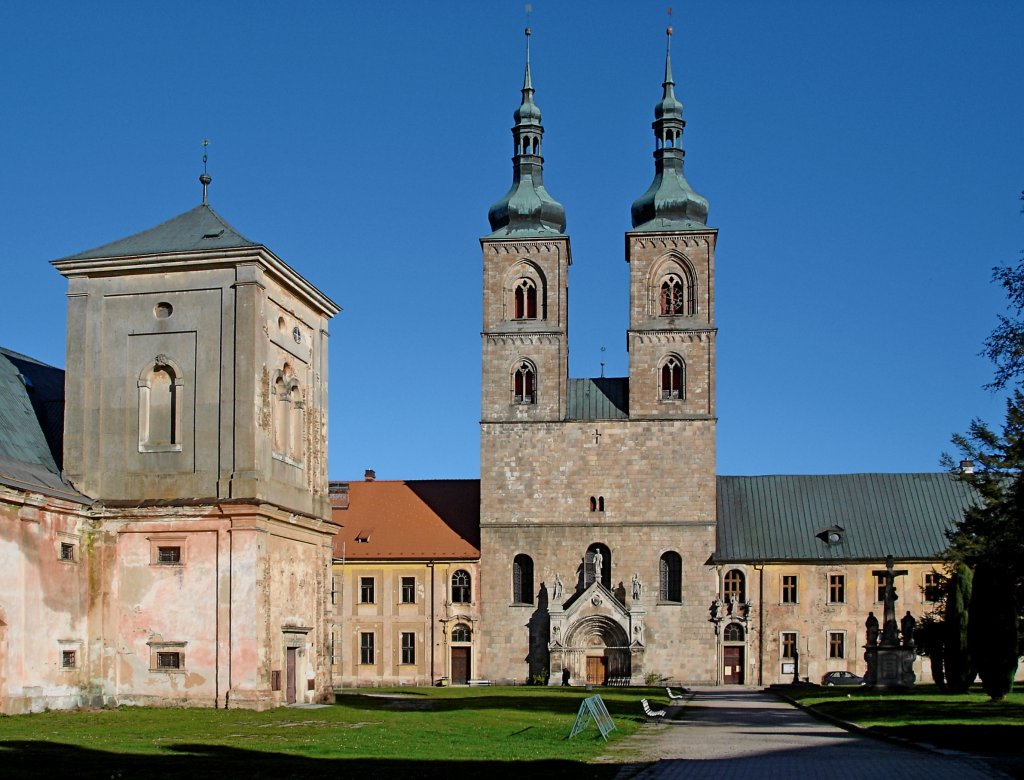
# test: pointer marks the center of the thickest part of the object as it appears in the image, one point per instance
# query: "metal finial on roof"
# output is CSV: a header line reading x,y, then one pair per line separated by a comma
x,y
204,177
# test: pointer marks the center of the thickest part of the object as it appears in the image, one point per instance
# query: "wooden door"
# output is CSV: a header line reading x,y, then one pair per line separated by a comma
x,y
732,662
460,665
289,686
597,669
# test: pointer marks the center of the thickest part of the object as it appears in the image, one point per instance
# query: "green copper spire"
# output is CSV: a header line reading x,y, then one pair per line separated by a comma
x,y
669,203
527,209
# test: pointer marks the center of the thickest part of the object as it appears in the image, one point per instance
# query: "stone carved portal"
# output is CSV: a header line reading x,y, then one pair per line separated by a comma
x,y
596,651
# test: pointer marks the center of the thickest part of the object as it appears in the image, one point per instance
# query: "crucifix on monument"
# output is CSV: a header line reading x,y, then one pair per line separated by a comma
x,y
889,664
890,629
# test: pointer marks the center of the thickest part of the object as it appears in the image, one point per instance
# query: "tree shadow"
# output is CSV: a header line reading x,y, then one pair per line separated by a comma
x,y
32,759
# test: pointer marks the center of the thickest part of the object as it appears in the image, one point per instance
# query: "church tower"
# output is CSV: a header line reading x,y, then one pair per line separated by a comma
x,y
196,419
597,507
526,264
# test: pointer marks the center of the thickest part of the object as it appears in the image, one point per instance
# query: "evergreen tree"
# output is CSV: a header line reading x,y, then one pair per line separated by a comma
x,y
958,669
992,630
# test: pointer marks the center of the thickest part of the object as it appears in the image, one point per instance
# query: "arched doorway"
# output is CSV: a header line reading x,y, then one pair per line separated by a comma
x,y
733,654
597,651
461,654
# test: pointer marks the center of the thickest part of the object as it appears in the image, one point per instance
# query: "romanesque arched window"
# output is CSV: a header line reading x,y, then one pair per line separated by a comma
x,y
525,300
524,383
161,392
674,289
461,590
522,579
672,378
734,586
670,578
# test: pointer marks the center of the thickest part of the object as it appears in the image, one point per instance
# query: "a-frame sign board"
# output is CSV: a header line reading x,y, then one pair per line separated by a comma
x,y
593,709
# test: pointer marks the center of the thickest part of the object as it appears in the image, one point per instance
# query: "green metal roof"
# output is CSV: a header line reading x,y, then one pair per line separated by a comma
x,y
783,518
32,426
603,398
195,230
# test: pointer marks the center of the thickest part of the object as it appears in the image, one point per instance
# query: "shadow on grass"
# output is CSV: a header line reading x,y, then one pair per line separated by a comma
x,y
30,759
565,702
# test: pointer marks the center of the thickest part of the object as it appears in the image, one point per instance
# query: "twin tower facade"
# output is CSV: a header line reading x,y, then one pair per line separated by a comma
x,y
598,504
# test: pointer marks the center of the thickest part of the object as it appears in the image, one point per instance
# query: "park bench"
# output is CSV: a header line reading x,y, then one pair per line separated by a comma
x,y
652,713
479,682
677,697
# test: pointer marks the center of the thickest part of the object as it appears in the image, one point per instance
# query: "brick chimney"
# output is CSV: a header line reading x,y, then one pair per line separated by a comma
x,y
370,475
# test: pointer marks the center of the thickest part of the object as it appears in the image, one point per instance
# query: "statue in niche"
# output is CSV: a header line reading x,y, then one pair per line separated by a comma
x,y
637,586
558,588
598,565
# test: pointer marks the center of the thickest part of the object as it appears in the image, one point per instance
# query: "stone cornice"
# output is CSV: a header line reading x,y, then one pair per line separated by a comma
x,y
526,246
209,259
620,524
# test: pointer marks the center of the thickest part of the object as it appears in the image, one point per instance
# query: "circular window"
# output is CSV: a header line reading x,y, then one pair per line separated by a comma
x,y
163,310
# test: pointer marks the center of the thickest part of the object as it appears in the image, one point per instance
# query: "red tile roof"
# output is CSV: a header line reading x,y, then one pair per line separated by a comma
x,y
415,520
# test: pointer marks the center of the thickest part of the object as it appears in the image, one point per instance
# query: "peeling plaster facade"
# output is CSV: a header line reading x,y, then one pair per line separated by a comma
x,y
192,565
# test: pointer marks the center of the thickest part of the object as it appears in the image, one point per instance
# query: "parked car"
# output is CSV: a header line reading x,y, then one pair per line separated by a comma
x,y
841,678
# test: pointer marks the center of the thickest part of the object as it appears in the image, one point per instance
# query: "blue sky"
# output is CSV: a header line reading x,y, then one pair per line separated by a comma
x,y
863,162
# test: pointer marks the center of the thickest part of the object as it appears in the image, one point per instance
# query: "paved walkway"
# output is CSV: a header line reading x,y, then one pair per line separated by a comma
x,y
737,733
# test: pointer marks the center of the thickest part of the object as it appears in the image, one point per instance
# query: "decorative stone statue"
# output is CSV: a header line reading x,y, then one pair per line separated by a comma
x,y
637,586
907,624
716,609
598,564
558,588
871,624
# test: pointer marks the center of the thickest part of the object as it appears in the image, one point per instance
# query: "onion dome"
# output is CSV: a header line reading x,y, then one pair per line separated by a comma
x,y
669,203
527,209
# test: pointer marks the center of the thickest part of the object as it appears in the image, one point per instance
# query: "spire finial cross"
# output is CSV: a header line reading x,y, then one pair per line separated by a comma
x,y
205,178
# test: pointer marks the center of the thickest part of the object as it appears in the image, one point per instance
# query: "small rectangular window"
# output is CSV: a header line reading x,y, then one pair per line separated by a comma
x,y
366,648
408,648
789,644
408,595
836,644
168,554
168,660
789,589
275,680
932,587
837,589
366,588
67,551
68,659
880,587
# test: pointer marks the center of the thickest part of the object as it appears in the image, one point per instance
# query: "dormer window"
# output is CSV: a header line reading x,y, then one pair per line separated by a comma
x,y
833,535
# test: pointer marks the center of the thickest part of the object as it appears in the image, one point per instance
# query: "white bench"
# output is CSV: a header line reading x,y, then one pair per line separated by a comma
x,y
652,713
674,697
479,682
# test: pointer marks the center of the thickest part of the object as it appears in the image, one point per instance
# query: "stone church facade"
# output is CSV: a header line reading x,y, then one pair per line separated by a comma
x,y
613,546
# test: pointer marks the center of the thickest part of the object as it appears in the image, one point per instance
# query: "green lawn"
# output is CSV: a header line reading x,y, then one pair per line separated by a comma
x,y
970,722
407,732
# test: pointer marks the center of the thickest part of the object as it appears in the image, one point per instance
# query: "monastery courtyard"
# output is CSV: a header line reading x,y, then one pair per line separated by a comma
x,y
737,733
